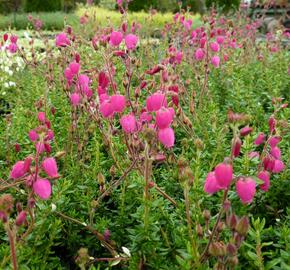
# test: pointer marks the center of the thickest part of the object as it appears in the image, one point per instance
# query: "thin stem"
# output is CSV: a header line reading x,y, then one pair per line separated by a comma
x,y
147,173
11,237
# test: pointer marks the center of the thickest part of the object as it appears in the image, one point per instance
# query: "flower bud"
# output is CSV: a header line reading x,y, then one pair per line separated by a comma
x,y
206,214
21,218
231,249
243,226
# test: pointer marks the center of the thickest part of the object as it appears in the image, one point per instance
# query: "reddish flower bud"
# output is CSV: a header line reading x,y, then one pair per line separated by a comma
x,y
21,218
236,146
245,131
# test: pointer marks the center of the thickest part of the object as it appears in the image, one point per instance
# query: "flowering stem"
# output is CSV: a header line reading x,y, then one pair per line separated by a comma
x,y
147,174
11,237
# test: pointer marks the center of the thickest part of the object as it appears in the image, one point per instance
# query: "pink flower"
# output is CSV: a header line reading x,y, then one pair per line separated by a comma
x,y
264,176
13,39
199,54
68,74
75,99
215,60
145,117
224,174
61,40
74,67
42,188
237,143
164,117
155,102
21,218
276,152
220,39
40,148
246,189
106,108
166,137
245,131
211,185
131,41
260,138
33,136
50,167
278,166
128,123
214,46
118,103
41,117
272,124
273,141
254,154
18,170
116,38
12,48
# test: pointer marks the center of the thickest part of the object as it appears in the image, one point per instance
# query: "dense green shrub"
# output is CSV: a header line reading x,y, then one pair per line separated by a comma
x,y
224,5
42,5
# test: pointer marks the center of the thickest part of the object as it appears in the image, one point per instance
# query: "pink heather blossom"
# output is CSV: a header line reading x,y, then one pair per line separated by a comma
x,y
215,60
236,148
224,174
264,176
40,148
211,185
269,163
202,42
116,38
131,41
166,137
278,166
156,101
260,139
106,108
13,39
214,46
61,40
128,123
12,48
119,2
74,68
42,188
187,24
75,99
103,80
273,141
145,117
33,136
18,170
246,189
118,103
254,154
50,167
68,74
104,97
50,135
21,218
272,124
178,57
276,152
220,39
41,117
199,54
245,131
164,118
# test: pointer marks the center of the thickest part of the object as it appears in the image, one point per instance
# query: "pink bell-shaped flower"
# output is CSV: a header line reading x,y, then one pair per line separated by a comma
x,y
50,167
276,152
246,189
264,176
199,54
18,170
164,118
74,68
220,39
273,141
278,166
155,102
224,174
116,38
236,148
33,136
215,60
131,41
166,137
260,139
61,40
75,99
106,108
128,123
42,188
214,46
118,103
211,185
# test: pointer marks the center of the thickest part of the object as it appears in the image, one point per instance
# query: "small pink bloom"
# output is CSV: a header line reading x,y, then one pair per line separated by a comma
x,y
12,48
131,41
214,46
199,54
224,174
278,166
75,99
260,139
164,118
41,117
40,148
42,188
21,218
246,189
220,39
61,40
236,149
118,103
13,39
155,102
245,131
276,152
272,124
18,170
215,60
264,176
269,163
50,167
128,123
68,74
166,137
74,67
106,108
211,185
273,141
254,154
116,38
33,136
145,117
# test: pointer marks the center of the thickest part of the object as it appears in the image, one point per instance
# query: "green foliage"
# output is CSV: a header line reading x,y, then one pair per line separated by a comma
x,y
225,5
42,5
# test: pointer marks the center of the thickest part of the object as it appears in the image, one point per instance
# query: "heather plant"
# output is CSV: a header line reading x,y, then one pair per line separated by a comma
x,y
159,154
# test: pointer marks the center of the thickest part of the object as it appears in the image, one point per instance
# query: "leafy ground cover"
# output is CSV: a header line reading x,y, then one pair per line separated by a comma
x,y
121,152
